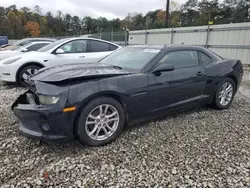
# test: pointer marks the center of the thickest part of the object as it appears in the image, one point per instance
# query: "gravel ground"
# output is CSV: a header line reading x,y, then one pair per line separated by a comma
x,y
199,148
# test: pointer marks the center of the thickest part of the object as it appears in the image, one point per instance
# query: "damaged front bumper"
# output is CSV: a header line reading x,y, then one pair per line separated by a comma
x,y
44,122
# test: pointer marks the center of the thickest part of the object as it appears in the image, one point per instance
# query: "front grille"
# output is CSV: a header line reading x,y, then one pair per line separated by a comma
x,y
32,127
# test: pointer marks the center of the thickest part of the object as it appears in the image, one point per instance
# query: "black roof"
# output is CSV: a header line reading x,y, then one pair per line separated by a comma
x,y
168,46
148,46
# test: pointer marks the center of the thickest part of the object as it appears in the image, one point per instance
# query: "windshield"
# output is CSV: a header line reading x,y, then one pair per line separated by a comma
x,y
51,45
131,57
17,43
20,48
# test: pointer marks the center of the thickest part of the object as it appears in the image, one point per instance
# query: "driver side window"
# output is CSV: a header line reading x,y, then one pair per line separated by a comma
x,y
181,59
77,46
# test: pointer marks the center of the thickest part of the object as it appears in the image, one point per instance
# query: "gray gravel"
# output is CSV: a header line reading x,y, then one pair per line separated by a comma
x,y
199,148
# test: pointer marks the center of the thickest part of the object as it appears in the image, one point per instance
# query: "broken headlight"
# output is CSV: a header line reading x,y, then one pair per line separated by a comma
x,y
48,100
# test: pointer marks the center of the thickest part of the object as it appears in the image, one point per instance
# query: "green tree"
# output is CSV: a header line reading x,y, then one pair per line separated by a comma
x,y
43,26
189,13
208,11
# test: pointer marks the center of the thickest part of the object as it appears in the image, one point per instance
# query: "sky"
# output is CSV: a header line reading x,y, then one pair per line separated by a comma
x,y
94,8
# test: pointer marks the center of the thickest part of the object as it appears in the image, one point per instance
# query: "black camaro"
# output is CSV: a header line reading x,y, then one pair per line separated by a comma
x,y
93,102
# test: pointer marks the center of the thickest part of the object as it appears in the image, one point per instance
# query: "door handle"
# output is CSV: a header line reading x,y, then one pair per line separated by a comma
x,y
81,56
199,73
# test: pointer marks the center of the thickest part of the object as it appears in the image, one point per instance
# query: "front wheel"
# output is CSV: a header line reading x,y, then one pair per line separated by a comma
x,y
25,72
225,94
100,122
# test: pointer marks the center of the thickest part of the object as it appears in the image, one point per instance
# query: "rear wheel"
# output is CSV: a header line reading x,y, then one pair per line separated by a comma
x,y
100,122
225,94
25,72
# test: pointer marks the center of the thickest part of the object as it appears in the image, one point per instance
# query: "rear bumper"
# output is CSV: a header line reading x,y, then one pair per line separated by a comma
x,y
43,122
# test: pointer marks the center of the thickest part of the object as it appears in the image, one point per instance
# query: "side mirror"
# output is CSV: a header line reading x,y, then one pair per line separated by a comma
x,y
24,50
163,67
59,51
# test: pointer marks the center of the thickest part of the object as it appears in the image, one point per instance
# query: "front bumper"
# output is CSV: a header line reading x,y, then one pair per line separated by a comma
x,y
47,123
8,73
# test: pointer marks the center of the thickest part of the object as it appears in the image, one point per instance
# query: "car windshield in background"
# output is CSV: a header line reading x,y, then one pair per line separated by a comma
x,y
131,57
18,48
51,45
17,43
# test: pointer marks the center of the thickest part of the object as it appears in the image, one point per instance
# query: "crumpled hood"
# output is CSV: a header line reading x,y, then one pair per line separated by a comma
x,y
75,71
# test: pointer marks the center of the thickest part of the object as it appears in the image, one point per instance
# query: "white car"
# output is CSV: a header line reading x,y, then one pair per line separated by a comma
x,y
33,46
64,51
24,42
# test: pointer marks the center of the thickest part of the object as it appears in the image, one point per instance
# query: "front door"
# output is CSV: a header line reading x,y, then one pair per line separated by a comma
x,y
97,50
180,87
74,52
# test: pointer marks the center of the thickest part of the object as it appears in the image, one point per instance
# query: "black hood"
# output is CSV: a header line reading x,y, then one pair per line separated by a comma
x,y
76,71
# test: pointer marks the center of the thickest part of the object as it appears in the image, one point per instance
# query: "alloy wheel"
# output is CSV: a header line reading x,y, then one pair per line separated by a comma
x,y
226,93
102,122
28,72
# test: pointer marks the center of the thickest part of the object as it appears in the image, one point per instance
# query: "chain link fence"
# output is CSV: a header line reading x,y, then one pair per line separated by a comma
x,y
120,38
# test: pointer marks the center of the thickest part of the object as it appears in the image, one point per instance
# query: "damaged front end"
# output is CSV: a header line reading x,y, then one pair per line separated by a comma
x,y
40,111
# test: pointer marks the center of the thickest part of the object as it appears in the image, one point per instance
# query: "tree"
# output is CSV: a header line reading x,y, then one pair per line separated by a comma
x,y
150,19
68,23
103,23
37,10
17,23
2,14
160,18
11,8
76,24
174,6
189,13
33,28
138,21
116,24
44,26
127,22
89,24
242,11
5,29
208,11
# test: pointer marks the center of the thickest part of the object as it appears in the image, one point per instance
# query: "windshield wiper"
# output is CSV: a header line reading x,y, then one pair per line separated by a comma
x,y
117,67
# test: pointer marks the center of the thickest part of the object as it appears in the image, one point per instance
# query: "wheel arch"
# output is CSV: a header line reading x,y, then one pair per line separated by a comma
x,y
111,94
27,64
234,78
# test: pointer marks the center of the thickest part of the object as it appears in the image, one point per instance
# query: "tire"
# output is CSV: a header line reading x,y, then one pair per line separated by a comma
x,y
85,129
26,69
217,100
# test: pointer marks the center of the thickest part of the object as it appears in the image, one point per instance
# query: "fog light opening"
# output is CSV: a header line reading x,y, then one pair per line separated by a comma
x,y
45,127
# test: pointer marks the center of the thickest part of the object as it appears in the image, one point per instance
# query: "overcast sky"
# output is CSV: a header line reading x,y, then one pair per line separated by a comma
x,y
95,8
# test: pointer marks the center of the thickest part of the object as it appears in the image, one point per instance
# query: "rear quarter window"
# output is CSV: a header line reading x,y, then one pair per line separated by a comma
x,y
205,59
112,47
98,46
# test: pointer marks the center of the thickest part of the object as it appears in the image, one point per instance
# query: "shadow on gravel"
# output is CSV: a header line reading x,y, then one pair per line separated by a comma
x,y
8,85
171,115
75,147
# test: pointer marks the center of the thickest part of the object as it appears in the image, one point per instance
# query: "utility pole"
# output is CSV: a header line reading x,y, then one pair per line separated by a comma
x,y
167,14
126,35
112,34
